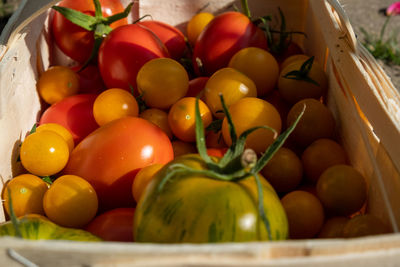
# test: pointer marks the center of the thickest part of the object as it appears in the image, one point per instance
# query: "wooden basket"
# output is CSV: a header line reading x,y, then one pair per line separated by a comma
x,y
365,104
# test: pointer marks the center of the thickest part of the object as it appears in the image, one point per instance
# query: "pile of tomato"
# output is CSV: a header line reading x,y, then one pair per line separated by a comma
x,y
112,122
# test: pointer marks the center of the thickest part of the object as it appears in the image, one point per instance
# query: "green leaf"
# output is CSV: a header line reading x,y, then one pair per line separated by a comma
x,y
33,129
97,7
215,126
13,217
83,20
119,16
261,210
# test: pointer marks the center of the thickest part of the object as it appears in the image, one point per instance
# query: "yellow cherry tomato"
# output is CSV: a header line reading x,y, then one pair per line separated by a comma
x,y
251,112
59,129
57,83
232,84
114,104
182,120
259,65
294,58
27,191
143,178
159,118
196,25
162,82
44,153
70,201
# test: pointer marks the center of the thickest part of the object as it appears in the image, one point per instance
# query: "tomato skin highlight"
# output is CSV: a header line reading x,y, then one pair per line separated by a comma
x,y
75,113
113,225
225,35
75,41
124,51
110,157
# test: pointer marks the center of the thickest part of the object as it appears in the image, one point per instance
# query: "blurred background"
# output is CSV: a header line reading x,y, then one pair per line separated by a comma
x,y
377,31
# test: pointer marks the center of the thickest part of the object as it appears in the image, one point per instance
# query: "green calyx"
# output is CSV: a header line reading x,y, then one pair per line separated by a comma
x,y
98,24
238,163
302,73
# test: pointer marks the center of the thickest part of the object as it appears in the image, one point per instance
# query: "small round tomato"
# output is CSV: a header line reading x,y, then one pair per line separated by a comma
x,y
75,113
124,51
217,152
57,128
70,201
113,104
27,193
57,83
158,117
162,82
197,24
251,112
114,225
182,148
111,156
44,153
172,38
259,65
182,119
142,179
73,40
232,84
215,139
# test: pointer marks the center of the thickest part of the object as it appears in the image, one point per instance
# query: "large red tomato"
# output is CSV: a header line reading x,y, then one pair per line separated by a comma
x,y
75,41
225,35
173,39
113,225
124,51
110,157
75,113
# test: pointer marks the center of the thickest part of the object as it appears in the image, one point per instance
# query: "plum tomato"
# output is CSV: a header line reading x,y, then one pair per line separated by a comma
x,y
124,51
196,25
70,201
111,156
44,153
74,41
62,131
27,191
56,83
259,65
232,84
113,225
172,38
161,82
75,113
113,104
181,118
158,117
225,35
250,112
142,179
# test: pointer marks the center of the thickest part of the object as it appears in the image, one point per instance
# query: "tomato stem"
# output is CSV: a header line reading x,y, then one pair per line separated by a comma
x,y
245,7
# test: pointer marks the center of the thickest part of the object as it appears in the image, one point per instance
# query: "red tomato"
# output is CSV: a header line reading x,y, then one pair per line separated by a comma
x,y
196,87
113,225
173,39
225,35
217,152
75,41
110,157
90,81
124,51
75,113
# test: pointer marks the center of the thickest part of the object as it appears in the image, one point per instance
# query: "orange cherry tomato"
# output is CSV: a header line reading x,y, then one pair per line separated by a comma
x,y
159,118
59,129
181,118
70,201
196,25
142,179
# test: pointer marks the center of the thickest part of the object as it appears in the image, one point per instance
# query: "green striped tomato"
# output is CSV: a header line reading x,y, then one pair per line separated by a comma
x,y
198,209
38,227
